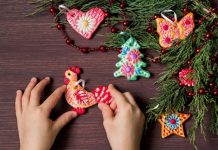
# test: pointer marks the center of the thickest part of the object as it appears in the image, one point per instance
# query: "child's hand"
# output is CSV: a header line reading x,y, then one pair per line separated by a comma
x,y
36,130
123,121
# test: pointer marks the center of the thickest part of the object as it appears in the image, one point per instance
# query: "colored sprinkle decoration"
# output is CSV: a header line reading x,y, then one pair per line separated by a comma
x,y
172,122
131,64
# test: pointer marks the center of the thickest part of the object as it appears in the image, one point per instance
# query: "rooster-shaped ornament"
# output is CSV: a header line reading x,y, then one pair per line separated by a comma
x,y
78,97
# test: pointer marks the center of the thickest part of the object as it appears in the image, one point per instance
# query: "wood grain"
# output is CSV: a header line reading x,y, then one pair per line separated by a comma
x,y
29,47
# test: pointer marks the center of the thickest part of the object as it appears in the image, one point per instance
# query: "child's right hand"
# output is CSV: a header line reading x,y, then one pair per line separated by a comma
x,y
123,121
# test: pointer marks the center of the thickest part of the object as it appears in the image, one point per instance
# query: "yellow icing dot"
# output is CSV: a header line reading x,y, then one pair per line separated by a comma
x,y
85,23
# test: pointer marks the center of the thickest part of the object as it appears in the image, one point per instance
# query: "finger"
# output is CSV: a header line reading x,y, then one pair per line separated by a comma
x,y
27,92
117,96
37,91
53,99
107,113
130,98
18,104
113,105
64,119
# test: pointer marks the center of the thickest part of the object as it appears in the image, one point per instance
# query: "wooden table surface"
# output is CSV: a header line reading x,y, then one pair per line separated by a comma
x,y
29,47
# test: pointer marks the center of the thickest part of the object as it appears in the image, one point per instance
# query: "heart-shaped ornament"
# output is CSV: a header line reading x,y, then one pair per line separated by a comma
x,y
102,95
85,23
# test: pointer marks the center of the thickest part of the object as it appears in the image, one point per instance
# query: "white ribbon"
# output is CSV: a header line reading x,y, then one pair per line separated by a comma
x,y
80,81
63,9
166,18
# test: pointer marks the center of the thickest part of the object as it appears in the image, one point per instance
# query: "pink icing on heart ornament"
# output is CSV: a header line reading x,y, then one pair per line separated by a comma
x,y
84,23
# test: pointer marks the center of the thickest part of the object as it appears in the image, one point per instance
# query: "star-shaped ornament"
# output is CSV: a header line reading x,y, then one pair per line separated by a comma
x,y
172,124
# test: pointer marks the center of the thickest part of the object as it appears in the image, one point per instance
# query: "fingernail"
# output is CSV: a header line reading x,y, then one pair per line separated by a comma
x,y
74,114
18,92
33,79
47,78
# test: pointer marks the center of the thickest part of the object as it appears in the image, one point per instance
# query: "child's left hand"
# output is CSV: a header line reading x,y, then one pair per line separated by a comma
x,y
36,130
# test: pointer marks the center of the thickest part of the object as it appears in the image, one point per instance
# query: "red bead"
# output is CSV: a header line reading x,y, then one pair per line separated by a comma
x,y
172,121
102,48
208,35
200,21
156,60
69,41
185,10
213,58
114,30
111,1
211,84
122,5
84,50
201,91
106,14
156,16
52,10
149,29
215,92
163,51
216,23
189,62
181,85
59,26
213,10
119,50
177,43
125,23
210,75
198,50
190,94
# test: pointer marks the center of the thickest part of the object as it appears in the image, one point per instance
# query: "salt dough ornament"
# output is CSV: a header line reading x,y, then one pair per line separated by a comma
x,y
185,77
172,124
78,97
102,95
169,30
131,64
84,23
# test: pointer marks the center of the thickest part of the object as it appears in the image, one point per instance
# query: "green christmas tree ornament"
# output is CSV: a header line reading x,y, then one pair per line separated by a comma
x,y
131,64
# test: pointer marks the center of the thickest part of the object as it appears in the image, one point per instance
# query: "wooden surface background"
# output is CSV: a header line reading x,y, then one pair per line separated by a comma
x,y
29,47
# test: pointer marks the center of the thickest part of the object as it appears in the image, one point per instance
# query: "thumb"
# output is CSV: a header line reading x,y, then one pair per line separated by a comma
x,y
107,113
64,119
